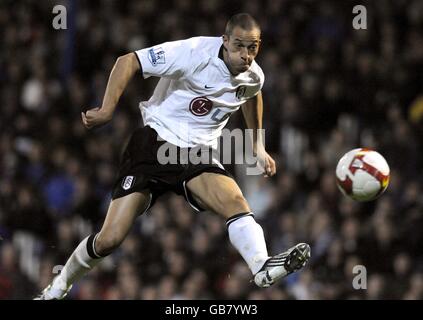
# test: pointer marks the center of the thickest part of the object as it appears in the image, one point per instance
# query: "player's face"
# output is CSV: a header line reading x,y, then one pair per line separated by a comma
x,y
242,47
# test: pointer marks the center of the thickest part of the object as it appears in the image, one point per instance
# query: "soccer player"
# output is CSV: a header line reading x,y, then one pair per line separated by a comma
x,y
203,80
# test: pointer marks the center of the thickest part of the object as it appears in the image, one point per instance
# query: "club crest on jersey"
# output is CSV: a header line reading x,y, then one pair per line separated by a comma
x,y
156,56
200,106
240,92
128,182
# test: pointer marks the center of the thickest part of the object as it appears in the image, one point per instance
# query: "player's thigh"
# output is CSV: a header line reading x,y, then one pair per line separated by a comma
x,y
120,217
218,193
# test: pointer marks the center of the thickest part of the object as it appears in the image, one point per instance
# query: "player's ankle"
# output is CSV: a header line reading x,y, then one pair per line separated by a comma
x,y
57,290
59,284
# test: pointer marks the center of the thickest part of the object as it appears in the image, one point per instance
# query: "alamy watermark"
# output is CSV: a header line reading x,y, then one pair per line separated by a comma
x,y
232,147
360,280
360,20
57,269
60,21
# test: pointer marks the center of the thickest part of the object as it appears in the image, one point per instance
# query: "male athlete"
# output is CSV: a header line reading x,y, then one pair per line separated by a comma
x,y
202,81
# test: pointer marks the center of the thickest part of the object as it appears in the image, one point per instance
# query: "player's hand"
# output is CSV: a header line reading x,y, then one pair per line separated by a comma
x,y
95,117
266,162
269,165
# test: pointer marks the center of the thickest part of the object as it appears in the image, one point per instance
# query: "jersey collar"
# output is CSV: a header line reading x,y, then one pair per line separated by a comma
x,y
220,55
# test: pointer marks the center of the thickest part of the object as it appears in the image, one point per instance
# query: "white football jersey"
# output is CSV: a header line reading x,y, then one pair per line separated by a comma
x,y
196,94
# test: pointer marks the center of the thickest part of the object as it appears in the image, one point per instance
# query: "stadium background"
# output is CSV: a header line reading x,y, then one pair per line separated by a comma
x,y
328,88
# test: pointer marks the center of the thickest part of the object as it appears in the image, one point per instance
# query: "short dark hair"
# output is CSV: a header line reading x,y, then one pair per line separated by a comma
x,y
242,20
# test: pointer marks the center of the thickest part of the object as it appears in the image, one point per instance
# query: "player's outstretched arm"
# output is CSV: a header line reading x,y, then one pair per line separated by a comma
x,y
123,70
252,110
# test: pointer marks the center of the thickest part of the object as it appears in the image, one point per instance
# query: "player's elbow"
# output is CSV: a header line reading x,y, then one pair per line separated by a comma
x,y
128,61
125,58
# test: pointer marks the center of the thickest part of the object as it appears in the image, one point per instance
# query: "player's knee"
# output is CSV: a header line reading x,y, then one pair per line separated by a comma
x,y
233,204
107,243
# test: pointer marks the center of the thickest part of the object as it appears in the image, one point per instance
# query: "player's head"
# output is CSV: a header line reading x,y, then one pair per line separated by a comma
x,y
241,42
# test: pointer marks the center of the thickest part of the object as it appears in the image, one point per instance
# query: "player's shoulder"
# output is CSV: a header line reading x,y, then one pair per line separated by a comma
x,y
204,44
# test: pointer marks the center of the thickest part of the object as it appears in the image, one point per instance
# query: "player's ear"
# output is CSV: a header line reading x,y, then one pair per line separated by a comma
x,y
225,41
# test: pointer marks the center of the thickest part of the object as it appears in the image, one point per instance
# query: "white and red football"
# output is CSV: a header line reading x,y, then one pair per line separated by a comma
x,y
362,174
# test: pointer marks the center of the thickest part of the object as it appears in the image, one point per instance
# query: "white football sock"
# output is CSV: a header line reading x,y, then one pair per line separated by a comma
x,y
82,260
247,237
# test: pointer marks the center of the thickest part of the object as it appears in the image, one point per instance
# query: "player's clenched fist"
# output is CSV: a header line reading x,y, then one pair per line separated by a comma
x,y
95,117
270,166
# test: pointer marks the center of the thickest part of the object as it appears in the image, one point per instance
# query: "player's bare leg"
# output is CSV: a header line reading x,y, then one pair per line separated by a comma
x,y
221,194
120,217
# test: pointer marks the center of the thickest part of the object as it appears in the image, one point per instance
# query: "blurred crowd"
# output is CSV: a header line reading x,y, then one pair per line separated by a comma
x,y
329,88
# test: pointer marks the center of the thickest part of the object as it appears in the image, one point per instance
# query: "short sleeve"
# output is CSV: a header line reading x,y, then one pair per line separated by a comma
x,y
169,59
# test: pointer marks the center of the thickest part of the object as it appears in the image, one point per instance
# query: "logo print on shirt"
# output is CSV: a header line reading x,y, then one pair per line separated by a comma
x,y
156,56
128,182
240,92
200,106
